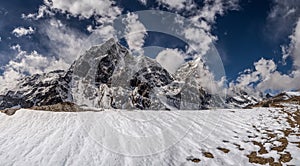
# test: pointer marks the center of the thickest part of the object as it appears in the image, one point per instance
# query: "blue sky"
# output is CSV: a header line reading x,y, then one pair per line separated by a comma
x,y
244,31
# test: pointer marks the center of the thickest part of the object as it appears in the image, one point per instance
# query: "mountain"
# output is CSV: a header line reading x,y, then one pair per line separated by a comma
x,y
37,90
283,99
238,98
108,76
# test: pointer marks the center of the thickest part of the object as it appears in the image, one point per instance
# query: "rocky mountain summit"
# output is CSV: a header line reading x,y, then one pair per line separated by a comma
x,y
108,76
37,90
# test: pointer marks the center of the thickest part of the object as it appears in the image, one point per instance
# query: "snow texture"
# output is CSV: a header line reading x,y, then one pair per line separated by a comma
x,y
115,137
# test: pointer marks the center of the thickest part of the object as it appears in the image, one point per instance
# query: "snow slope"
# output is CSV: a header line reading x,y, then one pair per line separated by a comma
x,y
148,137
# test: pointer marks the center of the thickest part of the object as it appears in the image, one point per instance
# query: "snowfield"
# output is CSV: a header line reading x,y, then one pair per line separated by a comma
x,y
209,137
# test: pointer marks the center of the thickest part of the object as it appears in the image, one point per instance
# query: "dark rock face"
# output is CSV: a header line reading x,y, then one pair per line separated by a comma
x,y
107,76
107,65
204,98
38,90
145,80
174,100
241,99
105,70
155,76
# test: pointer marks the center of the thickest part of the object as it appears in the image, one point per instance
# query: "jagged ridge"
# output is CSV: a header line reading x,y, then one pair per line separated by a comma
x,y
107,76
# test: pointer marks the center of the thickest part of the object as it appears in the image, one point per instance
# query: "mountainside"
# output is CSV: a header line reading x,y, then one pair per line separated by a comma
x,y
108,76
240,99
37,90
290,99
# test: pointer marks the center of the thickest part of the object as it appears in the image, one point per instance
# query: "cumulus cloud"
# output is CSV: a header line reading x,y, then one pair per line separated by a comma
x,y
263,69
174,4
284,9
293,49
103,33
85,8
198,32
267,77
170,59
65,43
212,8
42,12
8,79
27,63
135,33
30,63
144,2
33,62
21,31
200,40
282,13
103,11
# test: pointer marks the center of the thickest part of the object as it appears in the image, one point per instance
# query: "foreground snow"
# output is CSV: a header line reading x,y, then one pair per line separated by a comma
x,y
209,137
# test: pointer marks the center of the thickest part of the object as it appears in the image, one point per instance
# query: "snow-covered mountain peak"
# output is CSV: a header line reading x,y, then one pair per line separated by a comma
x,y
108,76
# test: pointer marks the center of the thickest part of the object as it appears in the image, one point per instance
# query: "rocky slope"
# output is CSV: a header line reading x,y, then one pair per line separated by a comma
x,y
239,98
290,99
107,76
37,90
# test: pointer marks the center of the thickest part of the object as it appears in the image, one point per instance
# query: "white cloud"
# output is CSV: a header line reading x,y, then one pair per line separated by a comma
x,y
21,31
263,69
294,47
209,10
42,12
285,13
89,28
213,8
200,39
8,79
267,77
31,62
85,8
170,59
199,31
65,42
282,9
135,33
174,4
144,2
27,63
